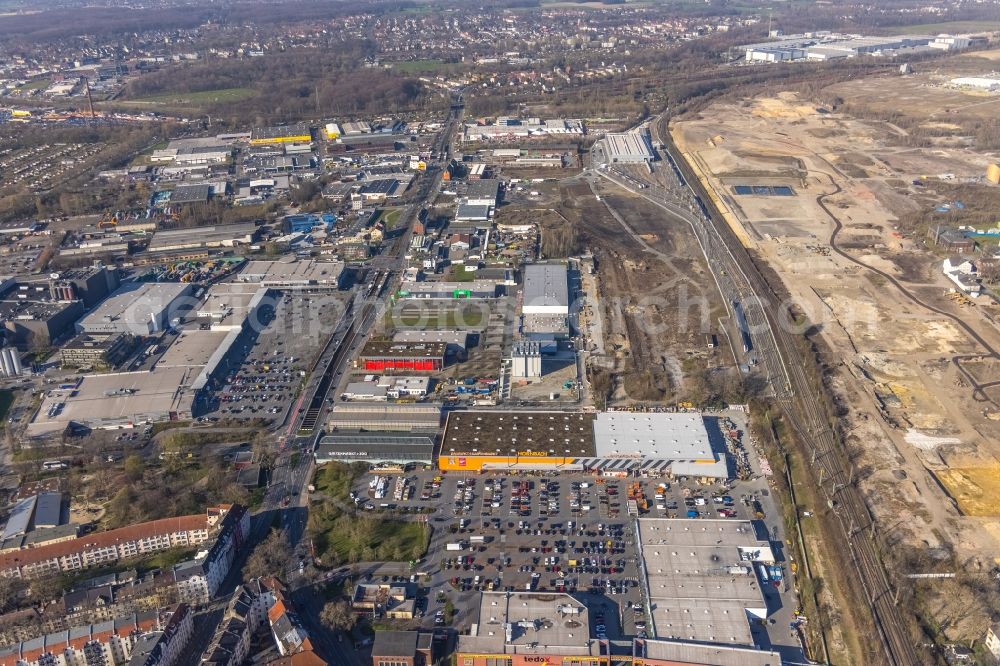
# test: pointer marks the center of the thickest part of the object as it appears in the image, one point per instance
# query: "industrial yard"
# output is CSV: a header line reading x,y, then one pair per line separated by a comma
x,y
915,353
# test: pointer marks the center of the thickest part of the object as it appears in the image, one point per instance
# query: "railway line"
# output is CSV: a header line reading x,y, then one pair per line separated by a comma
x,y
358,330
740,280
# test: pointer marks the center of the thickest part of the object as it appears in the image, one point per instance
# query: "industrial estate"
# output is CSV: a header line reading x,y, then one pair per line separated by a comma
x,y
567,334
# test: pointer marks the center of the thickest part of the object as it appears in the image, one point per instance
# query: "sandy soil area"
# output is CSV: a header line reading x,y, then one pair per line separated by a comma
x,y
925,447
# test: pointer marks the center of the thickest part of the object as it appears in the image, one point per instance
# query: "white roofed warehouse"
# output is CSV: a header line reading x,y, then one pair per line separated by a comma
x,y
546,289
660,442
139,308
632,147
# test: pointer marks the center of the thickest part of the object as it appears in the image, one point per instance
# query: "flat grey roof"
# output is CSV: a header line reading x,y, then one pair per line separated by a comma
x,y
376,447
473,212
546,285
280,131
118,397
483,189
190,194
632,145
365,388
134,302
48,511
702,578
457,338
545,325
199,236
442,286
425,409
20,518
395,644
228,302
386,439
300,272
539,623
193,348
717,655
356,415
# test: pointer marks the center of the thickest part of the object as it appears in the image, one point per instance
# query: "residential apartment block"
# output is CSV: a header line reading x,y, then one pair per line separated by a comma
x,y
153,638
102,548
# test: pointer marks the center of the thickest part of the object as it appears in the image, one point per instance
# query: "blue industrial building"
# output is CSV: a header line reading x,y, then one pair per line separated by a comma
x,y
305,222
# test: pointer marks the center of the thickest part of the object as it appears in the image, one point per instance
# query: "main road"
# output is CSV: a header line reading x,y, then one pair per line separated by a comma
x,y
740,280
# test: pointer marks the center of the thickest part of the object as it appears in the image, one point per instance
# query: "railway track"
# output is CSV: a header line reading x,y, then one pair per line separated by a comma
x,y
737,274
358,328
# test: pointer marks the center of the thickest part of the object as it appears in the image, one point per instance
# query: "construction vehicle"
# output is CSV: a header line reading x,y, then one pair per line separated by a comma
x,y
108,221
636,495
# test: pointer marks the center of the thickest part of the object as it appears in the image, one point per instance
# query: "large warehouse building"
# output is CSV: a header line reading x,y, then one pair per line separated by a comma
x,y
89,285
118,400
476,441
531,628
223,235
546,289
389,356
139,308
421,418
456,342
632,147
655,442
283,134
702,578
296,274
376,448
608,443
444,290
647,652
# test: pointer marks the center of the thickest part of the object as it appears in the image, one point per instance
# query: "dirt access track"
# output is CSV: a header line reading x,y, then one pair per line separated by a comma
x,y
656,298
926,447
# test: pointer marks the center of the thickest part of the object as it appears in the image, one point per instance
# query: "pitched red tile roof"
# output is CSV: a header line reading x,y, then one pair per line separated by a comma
x,y
95,540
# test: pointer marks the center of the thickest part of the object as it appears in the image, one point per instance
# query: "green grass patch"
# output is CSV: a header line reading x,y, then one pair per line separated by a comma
x,y
342,538
188,440
390,217
219,96
37,84
163,426
946,27
460,274
335,479
168,558
438,317
414,66
163,560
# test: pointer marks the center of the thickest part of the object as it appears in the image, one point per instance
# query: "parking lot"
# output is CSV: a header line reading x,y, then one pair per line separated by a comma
x,y
265,370
569,532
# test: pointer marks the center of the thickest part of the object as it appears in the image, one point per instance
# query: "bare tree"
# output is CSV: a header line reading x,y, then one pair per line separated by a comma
x,y
338,616
269,558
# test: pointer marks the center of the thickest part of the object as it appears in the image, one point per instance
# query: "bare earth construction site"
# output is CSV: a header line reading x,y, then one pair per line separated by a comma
x,y
825,198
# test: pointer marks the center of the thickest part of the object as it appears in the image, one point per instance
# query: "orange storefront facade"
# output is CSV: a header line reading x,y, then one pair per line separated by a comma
x,y
478,462
529,660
